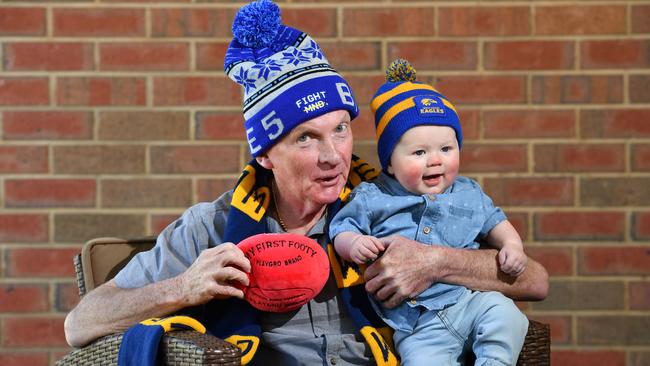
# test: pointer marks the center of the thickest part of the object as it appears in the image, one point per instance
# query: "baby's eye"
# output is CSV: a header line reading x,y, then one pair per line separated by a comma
x,y
419,152
446,149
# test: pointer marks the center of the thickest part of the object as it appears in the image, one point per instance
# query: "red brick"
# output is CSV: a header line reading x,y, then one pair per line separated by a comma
x,y
101,91
530,191
195,159
621,330
639,358
493,158
24,228
436,55
23,298
143,125
364,86
558,261
209,91
524,124
561,20
580,158
192,22
641,158
484,21
363,127
23,159
24,91
641,226
615,123
98,22
66,296
40,262
529,55
53,56
50,192
483,89
315,22
599,225
639,293
144,56
388,22
99,159
639,89
470,122
50,125
210,55
22,22
615,260
520,222
31,358
42,331
210,189
159,222
588,358
640,15
353,56
614,191
560,327
569,89
219,126
615,54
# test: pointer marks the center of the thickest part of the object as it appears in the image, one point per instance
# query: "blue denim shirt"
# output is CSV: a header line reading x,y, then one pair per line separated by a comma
x,y
456,218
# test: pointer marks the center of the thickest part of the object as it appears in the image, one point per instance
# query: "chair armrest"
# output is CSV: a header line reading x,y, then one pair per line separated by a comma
x,y
537,345
176,348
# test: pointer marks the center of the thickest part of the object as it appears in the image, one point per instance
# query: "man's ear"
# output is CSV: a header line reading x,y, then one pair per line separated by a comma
x,y
264,161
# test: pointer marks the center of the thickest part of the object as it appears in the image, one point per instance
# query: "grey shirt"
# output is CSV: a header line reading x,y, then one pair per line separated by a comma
x,y
319,333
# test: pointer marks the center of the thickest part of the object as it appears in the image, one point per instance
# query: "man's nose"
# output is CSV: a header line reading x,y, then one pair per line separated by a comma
x,y
328,153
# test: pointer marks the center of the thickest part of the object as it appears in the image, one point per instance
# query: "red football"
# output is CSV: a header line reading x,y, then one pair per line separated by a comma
x,y
287,270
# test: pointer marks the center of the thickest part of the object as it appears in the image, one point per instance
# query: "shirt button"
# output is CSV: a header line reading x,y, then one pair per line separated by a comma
x,y
426,230
333,361
432,197
413,302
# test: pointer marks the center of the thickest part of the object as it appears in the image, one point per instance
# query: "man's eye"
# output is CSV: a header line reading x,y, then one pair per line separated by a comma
x,y
342,127
302,138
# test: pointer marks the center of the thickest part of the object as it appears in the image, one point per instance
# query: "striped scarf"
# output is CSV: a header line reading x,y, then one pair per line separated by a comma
x,y
239,323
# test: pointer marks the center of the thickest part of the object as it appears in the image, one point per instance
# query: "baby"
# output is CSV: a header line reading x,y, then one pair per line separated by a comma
x,y
420,196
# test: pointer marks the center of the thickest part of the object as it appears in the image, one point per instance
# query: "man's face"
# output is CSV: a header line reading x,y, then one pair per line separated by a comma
x,y
312,162
426,159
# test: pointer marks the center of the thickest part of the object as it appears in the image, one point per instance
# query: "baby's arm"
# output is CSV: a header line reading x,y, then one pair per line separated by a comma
x,y
357,248
504,237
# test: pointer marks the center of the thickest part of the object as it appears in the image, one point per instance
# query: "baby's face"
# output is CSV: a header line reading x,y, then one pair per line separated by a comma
x,y
426,159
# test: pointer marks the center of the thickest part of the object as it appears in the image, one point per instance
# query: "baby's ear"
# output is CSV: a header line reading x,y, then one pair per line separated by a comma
x,y
264,161
389,169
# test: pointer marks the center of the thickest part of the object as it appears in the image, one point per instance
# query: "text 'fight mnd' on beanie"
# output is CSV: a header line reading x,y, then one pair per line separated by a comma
x,y
403,103
286,78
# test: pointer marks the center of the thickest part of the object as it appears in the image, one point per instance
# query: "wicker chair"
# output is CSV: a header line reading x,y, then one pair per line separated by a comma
x,y
99,261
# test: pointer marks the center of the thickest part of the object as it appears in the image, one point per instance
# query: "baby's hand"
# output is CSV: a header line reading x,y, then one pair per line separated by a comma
x,y
365,248
512,260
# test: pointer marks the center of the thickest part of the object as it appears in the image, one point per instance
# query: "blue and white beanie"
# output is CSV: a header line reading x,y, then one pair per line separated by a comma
x,y
402,103
286,78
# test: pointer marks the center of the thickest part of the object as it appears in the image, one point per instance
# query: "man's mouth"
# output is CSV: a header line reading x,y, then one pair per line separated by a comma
x,y
328,180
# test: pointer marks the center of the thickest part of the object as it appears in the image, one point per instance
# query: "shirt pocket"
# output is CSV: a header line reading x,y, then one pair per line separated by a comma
x,y
461,226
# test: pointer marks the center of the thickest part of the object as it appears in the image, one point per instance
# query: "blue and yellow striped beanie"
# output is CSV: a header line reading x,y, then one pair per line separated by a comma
x,y
403,103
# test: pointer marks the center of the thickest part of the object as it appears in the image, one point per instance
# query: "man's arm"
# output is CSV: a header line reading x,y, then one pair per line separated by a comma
x,y
407,268
109,309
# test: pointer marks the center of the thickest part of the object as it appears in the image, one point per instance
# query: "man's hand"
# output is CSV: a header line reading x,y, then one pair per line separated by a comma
x,y
214,275
404,270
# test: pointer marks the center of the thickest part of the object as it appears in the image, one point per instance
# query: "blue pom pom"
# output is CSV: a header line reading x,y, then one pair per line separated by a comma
x,y
257,24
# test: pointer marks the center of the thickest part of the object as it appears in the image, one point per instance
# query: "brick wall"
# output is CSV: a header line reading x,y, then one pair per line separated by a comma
x,y
115,115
